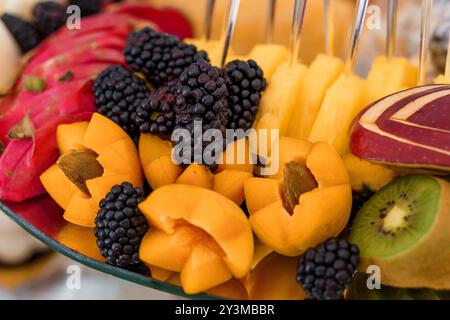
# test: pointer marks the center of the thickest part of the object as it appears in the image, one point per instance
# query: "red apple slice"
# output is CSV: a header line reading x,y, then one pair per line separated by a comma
x,y
407,129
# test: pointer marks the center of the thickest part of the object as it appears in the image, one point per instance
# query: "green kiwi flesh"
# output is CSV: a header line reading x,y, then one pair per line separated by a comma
x,y
397,216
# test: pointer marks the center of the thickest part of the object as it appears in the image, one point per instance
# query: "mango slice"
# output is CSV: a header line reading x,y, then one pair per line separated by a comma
x,y
313,220
187,235
116,154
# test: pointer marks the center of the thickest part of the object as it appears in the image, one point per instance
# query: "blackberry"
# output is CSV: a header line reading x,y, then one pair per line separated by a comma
x,y
49,16
155,114
88,7
140,268
120,225
326,270
245,82
26,35
118,93
159,56
201,96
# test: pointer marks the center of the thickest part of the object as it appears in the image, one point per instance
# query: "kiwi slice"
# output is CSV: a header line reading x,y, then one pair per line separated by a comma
x,y
397,216
403,229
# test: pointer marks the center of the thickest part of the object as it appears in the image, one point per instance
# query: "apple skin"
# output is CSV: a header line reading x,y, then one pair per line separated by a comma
x,y
373,147
427,126
436,115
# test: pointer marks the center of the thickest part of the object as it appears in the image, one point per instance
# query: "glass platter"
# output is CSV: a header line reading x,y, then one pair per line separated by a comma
x,y
48,223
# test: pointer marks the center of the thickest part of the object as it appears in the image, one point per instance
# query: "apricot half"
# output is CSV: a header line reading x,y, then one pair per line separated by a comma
x,y
319,213
113,150
160,170
197,232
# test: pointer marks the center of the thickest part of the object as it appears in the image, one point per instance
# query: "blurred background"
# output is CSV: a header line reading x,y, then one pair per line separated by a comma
x,y
29,270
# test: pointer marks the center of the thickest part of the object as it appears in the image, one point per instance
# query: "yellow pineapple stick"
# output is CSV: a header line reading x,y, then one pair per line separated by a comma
x,y
280,98
342,100
389,74
321,74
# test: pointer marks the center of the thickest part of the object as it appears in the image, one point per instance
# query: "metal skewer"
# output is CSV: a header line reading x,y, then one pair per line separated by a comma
x,y
208,18
270,20
296,31
328,8
391,32
231,24
361,9
425,24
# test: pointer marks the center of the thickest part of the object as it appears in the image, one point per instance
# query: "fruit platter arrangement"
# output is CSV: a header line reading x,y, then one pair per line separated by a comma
x,y
326,185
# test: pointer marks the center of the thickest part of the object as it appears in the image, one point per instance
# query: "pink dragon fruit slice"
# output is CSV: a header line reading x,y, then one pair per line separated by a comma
x,y
55,69
89,25
64,99
110,39
104,52
167,20
23,161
